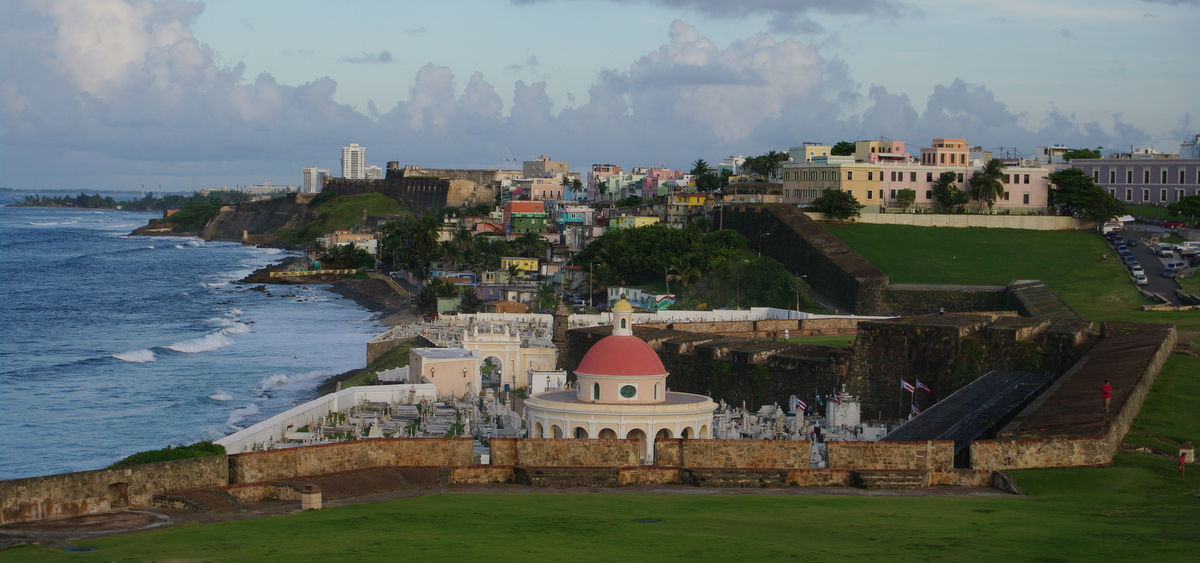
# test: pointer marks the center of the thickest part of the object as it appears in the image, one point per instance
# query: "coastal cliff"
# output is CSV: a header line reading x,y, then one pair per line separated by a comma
x,y
259,219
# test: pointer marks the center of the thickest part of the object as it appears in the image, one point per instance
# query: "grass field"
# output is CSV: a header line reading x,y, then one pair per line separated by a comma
x,y
1069,261
822,340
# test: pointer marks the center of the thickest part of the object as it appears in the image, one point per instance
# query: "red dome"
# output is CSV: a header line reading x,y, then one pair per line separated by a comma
x,y
621,355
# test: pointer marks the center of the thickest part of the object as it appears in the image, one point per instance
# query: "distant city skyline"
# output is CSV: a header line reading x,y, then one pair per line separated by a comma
x,y
112,94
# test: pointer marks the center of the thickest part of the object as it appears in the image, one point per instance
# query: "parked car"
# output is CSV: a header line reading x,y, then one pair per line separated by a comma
x,y
1131,243
1168,272
1137,271
1171,224
1141,280
1177,265
1166,253
1194,261
1125,254
1133,263
1118,240
1122,248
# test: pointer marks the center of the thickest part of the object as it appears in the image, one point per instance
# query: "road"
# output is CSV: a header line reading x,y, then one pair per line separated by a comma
x,y
1153,265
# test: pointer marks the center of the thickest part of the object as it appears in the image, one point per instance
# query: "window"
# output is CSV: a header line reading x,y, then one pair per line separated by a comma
x,y
960,176
951,158
1163,176
1162,194
929,194
912,177
1006,179
943,155
892,194
869,192
1146,194
1027,178
623,321
595,391
849,174
928,176
1146,176
894,175
1026,199
1005,196
1128,194
1112,176
1095,174
1129,176
871,176
1181,175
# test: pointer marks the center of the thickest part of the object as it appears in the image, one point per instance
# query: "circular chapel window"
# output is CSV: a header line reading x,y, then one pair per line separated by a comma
x,y
628,391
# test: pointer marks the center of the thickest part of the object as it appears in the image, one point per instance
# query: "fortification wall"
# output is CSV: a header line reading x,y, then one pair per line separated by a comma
x,y
1027,222
418,193
903,299
806,248
550,452
937,455
102,490
747,454
289,463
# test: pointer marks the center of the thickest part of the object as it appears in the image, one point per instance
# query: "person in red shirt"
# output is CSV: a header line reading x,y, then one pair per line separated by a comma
x,y
1106,393
1182,463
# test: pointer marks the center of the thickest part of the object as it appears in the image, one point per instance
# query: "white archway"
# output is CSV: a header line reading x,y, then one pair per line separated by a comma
x,y
640,436
607,434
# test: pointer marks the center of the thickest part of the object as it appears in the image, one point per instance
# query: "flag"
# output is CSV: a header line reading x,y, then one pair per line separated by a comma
x,y
906,386
837,399
923,387
819,401
801,405
916,410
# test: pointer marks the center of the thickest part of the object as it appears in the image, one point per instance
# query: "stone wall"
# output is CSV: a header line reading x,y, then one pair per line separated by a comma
x,y
90,492
649,475
1051,452
481,474
819,477
550,452
806,248
961,478
890,455
288,463
904,299
740,454
418,193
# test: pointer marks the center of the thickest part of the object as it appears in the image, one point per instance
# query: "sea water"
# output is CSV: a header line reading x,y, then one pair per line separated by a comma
x,y
114,344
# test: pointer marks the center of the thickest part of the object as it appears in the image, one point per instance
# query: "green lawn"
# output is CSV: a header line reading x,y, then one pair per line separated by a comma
x,y
822,340
1069,261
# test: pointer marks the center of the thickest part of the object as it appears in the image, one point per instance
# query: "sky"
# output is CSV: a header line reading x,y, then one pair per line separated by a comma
x,y
117,94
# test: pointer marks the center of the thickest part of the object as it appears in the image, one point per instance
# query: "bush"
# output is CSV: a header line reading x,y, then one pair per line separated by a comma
x,y
199,449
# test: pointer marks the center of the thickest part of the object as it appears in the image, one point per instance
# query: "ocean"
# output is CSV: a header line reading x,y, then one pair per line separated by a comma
x,y
115,344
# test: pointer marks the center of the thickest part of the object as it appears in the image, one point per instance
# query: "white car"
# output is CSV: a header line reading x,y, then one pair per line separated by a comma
x,y
1137,271
1141,280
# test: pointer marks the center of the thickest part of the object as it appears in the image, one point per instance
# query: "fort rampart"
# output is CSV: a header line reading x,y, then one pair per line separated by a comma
x,y
890,455
288,463
741,454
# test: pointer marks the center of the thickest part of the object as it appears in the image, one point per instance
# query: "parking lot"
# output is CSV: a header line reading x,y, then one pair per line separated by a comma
x,y
1152,263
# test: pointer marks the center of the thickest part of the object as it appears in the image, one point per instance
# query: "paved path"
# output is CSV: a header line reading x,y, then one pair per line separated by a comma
x,y
1158,285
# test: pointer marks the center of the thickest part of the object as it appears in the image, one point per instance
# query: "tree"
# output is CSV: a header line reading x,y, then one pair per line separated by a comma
x,y
470,303
631,201
531,245
1075,193
699,168
546,297
986,184
837,204
437,287
906,198
946,195
842,148
1186,208
346,257
1082,153
602,276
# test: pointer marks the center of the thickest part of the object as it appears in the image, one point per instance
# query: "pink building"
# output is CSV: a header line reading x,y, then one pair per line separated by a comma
x,y
1025,189
659,182
946,152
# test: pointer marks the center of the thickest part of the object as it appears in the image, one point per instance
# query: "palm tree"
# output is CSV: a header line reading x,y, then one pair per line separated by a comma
x,y
546,297
531,245
699,168
986,184
470,303
685,269
450,252
603,276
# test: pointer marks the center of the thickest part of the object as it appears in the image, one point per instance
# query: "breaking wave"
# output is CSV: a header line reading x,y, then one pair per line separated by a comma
x,y
209,343
236,328
241,413
136,356
220,395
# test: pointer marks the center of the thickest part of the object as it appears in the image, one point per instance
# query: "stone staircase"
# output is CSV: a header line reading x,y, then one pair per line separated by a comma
x,y
735,478
563,477
890,479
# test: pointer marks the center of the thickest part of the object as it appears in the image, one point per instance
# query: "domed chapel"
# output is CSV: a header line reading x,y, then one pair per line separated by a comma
x,y
621,392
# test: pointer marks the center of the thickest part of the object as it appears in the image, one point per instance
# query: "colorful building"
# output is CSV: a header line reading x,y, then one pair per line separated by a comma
x,y
525,216
632,221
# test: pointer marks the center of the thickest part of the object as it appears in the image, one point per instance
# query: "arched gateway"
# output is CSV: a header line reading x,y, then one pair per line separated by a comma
x,y
621,393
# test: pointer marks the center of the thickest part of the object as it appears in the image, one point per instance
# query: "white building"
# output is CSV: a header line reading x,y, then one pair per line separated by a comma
x,y
312,179
267,187
374,172
354,162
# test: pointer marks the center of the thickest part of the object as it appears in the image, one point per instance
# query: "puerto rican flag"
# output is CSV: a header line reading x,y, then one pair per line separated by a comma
x,y
906,386
915,410
923,387
837,399
801,405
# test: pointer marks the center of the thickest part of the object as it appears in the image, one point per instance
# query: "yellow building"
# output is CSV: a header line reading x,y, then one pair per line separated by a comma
x,y
631,222
529,265
808,151
805,181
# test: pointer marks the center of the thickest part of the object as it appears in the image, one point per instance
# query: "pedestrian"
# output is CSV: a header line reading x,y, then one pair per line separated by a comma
x,y
941,311
1106,393
1104,257
1182,463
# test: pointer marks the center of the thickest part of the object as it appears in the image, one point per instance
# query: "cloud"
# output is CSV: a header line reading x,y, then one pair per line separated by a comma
x,y
416,31
789,16
1174,2
110,94
531,62
382,57
1066,33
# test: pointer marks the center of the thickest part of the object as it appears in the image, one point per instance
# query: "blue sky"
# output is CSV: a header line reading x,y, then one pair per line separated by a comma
x,y
111,94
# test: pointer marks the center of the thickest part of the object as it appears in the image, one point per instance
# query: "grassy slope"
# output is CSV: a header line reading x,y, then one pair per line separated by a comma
x,y
1069,261
395,358
344,212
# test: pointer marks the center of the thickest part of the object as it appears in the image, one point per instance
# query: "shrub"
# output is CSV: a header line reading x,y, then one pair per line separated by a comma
x,y
199,449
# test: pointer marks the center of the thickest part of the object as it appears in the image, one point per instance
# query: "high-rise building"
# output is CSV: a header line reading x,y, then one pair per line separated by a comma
x,y
312,179
354,162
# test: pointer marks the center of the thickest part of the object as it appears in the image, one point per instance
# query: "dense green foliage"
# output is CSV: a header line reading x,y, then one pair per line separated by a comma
x,y
1082,153
147,203
946,195
842,148
986,184
346,257
906,198
1187,209
764,166
340,212
1075,193
837,204
630,201
199,449
646,253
